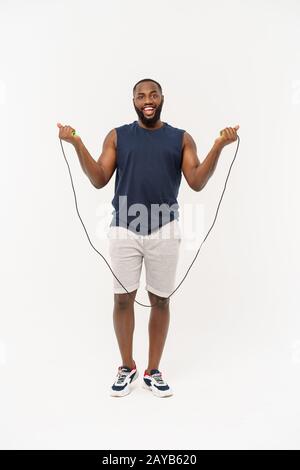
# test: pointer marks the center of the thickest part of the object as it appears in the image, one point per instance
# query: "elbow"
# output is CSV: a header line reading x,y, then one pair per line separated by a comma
x,y
198,182
101,181
201,185
198,187
98,185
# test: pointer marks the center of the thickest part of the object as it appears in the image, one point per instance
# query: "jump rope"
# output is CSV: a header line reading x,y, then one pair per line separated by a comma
x,y
152,305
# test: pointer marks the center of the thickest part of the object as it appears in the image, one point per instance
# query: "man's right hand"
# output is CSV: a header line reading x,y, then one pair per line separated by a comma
x,y
66,133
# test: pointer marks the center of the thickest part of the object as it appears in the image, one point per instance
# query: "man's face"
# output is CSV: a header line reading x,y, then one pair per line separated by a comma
x,y
147,94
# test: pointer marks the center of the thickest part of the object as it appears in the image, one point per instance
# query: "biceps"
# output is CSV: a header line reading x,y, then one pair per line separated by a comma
x,y
108,157
107,161
189,164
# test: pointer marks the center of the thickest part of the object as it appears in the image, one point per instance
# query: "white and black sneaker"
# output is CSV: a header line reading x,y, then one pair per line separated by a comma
x,y
156,384
122,384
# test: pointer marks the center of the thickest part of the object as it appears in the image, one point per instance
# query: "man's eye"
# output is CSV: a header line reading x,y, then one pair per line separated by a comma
x,y
154,94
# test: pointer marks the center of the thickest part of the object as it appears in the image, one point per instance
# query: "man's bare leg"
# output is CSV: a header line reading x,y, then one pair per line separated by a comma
x,y
158,329
123,319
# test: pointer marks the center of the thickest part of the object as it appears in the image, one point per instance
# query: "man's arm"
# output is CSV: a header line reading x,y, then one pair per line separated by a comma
x,y
108,157
196,173
99,172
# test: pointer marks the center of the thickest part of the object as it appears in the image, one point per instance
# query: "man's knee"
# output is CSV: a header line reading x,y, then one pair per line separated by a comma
x,y
158,301
123,301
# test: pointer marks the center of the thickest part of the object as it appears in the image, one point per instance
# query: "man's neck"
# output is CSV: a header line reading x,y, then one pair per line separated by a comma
x,y
158,124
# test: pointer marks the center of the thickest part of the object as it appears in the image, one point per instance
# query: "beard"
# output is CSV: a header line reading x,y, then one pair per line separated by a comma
x,y
149,121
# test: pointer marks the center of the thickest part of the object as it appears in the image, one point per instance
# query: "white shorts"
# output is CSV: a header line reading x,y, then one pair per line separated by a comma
x,y
160,251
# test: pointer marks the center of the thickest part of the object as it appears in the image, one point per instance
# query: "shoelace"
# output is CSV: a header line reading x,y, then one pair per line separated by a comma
x,y
158,379
122,374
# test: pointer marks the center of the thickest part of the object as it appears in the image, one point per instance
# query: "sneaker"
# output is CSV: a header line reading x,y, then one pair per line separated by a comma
x,y
124,378
155,383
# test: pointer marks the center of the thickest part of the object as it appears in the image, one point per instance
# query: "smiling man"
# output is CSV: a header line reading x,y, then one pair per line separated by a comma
x,y
148,106
149,157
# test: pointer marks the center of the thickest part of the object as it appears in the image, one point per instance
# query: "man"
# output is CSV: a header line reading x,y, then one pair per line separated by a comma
x,y
149,156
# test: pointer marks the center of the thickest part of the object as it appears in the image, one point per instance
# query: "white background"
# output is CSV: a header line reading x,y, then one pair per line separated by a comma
x,y
232,355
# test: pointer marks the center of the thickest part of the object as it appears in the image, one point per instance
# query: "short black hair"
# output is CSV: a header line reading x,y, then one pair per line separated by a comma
x,y
147,80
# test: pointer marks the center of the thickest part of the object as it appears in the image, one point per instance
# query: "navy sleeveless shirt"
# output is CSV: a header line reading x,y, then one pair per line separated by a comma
x,y
148,176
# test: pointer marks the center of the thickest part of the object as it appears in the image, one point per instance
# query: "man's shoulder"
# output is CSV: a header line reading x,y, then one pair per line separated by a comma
x,y
126,126
175,128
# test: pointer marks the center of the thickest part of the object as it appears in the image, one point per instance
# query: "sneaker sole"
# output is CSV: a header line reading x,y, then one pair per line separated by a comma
x,y
156,392
126,391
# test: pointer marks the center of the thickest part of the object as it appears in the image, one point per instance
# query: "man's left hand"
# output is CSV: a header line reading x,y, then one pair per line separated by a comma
x,y
228,135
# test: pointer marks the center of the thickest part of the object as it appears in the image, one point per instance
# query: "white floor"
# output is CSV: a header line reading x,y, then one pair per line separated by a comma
x,y
240,399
